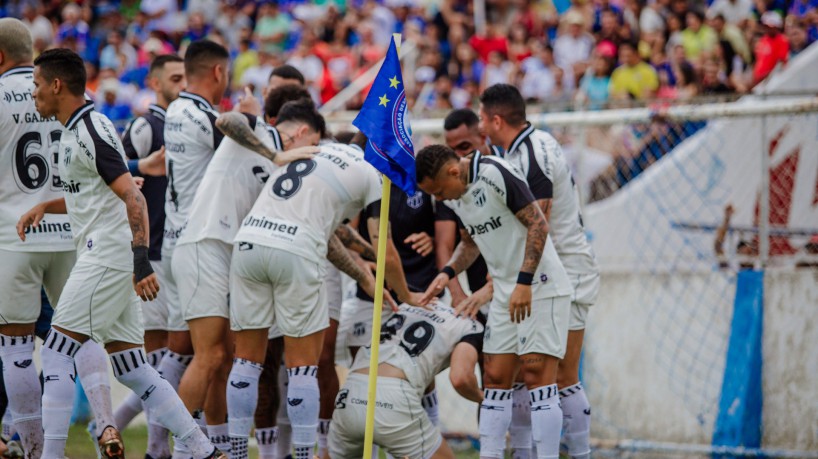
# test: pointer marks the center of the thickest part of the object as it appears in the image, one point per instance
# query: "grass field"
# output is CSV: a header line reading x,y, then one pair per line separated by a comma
x,y
80,445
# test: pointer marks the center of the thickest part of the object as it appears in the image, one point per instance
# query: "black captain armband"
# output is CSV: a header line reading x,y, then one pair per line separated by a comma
x,y
524,278
141,265
449,271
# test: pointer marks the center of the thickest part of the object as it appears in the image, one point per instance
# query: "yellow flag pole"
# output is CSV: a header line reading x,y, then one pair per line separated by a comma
x,y
380,273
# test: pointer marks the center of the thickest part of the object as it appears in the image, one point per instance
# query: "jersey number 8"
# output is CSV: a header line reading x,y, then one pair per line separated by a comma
x,y
288,183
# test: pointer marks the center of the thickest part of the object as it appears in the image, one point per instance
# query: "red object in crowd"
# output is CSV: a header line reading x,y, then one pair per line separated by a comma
x,y
486,45
769,51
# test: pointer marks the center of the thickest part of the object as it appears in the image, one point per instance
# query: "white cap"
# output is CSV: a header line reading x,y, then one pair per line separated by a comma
x,y
772,19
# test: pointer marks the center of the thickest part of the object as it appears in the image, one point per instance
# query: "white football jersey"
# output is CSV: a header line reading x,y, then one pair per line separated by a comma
x,y
303,203
191,138
420,342
230,187
495,193
30,167
92,157
539,157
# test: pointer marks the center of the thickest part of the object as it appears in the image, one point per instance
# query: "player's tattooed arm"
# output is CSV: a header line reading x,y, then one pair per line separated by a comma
x,y
464,254
337,255
135,206
355,242
545,206
236,126
395,276
532,218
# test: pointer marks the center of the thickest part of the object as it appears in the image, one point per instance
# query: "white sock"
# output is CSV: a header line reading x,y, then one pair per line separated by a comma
x,y
303,403
520,430
131,369
57,356
284,445
576,421
495,418
127,410
266,438
220,437
173,366
242,398
323,434
432,407
23,390
92,367
158,446
546,421
199,417
8,421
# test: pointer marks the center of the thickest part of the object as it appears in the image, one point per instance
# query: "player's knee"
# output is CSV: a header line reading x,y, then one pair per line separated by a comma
x,y
567,376
495,378
539,371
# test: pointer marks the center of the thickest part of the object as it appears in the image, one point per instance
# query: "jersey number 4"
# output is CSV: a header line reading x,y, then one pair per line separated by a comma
x,y
32,168
288,183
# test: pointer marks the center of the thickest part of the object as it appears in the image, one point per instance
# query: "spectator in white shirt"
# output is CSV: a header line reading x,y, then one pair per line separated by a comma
x,y
735,12
573,46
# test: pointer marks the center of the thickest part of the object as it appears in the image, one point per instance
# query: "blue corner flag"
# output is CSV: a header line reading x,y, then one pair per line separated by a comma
x,y
383,120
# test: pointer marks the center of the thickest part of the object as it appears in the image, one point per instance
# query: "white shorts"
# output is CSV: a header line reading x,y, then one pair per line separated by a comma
x,y
333,291
402,427
202,273
23,274
586,288
155,313
356,321
545,331
579,316
272,286
100,302
176,319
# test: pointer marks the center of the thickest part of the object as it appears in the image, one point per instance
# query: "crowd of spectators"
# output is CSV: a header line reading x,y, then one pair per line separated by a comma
x,y
590,51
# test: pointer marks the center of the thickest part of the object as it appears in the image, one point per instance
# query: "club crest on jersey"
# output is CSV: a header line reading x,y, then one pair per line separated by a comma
x,y
67,159
415,201
479,196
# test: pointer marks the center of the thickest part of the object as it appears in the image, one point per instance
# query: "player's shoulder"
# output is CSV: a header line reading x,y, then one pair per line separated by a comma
x,y
495,167
101,129
139,126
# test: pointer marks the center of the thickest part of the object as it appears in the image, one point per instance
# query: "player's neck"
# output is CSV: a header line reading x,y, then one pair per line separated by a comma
x,y
12,65
510,133
68,107
465,170
203,91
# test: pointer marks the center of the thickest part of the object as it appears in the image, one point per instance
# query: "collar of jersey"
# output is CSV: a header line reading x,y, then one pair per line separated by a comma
x,y
277,143
78,114
196,98
158,111
475,166
17,70
520,137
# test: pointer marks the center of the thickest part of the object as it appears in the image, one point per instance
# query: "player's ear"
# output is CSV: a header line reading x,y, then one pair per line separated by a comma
x,y
56,86
2,57
453,169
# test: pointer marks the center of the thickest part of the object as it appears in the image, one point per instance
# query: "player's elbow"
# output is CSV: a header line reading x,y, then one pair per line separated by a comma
x,y
462,380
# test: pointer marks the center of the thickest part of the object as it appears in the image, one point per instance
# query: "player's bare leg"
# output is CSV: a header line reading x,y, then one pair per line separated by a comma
x,y
269,400
539,372
242,388
303,396
22,384
576,421
204,384
328,385
495,411
131,369
444,451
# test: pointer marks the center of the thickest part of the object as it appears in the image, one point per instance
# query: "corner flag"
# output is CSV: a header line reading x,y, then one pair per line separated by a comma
x,y
383,120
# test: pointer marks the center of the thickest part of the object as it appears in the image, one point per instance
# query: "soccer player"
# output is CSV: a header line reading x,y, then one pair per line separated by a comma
x,y
191,138
47,255
106,210
539,157
276,276
144,145
201,261
528,314
416,345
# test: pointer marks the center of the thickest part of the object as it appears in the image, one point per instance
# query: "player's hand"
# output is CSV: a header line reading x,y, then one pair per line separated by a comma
x,y
416,299
147,288
728,211
519,307
369,287
154,163
458,296
138,182
285,157
421,242
438,284
471,305
248,103
29,219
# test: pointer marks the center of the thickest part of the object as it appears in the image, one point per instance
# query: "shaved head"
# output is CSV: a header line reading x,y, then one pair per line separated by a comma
x,y
15,41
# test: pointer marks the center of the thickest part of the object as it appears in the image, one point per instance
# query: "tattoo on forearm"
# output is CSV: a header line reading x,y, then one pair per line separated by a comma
x,y
464,254
353,241
531,216
234,125
137,216
337,255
